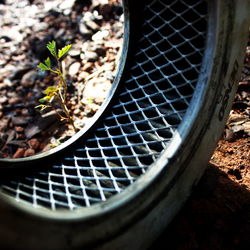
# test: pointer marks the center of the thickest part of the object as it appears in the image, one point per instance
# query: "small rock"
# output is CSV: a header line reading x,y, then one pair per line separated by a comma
x,y
14,100
229,135
92,25
19,72
85,47
67,12
20,136
19,153
84,31
25,112
109,75
66,4
88,16
3,99
90,56
77,111
40,27
41,124
60,33
74,52
29,152
19,129
100,35
79,123
122,18
88,66
34,143
2,62
6,83
29,78
83,75
20,120
97,88
74,68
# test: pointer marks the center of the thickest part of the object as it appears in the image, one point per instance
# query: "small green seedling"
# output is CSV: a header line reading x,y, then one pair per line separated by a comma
x,y
56,93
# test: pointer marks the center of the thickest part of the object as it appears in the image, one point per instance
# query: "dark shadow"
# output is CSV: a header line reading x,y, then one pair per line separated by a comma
x,y
216,216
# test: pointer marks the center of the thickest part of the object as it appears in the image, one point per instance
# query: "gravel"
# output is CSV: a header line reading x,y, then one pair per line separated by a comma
x,y
94,28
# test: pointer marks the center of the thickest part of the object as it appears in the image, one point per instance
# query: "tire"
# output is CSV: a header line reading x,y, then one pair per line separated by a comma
x,y
122,180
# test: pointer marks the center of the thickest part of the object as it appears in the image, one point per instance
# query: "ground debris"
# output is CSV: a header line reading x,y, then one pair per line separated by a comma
x,y
26,28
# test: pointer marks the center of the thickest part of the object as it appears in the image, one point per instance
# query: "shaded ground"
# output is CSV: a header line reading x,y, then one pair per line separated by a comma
x,y
217,216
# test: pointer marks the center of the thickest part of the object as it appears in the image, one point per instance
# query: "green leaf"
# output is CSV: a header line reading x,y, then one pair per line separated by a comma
x,y
46,99
64,50
47,62
50,91
42,100
51,46
42,66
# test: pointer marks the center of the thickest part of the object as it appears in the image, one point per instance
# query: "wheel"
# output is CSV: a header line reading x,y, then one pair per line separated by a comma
x,y
119,183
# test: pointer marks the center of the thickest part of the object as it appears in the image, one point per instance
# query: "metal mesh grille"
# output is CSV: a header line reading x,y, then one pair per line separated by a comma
x,y
157,92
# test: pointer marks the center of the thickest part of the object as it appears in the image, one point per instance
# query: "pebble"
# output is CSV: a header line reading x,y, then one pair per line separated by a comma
x,y
92,25
2,62
74,68
7,83
40,124
3,99
67,4
40,27
19,153
4,123
19,72
60,33
77,111
88,66
14,100
29,152
74,52
90,56
100,35
20,136
19,129
34,143
83,75
20,120
29,78
97,88
84,31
